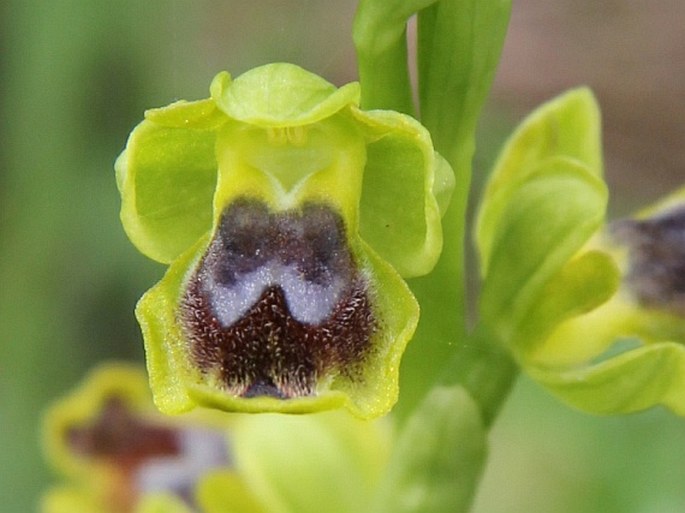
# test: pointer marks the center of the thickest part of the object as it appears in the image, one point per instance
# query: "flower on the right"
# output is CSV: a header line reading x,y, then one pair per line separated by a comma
x,y
592,310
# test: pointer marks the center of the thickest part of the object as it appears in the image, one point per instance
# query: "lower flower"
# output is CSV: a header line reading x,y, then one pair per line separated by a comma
x,y
119,455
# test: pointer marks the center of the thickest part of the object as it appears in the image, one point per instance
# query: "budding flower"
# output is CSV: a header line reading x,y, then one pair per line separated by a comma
x,y
628,353
288,217
594,312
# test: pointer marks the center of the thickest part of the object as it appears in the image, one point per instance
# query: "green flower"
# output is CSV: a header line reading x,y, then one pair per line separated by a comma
x,y
288,217
120,455
564,291
628,354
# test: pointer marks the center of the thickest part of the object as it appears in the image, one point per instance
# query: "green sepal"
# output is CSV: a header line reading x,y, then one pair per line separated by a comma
x,y
565,127
542,203
547,220
437,459
280,95
166,177
632,381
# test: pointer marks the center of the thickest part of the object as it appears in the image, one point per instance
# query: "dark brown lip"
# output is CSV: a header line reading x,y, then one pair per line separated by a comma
x,y
309,315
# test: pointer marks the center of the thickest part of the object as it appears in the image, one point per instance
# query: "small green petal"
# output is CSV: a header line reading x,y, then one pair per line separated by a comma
x,y
407,187
443,183
166,177
280,95
583,284
632,381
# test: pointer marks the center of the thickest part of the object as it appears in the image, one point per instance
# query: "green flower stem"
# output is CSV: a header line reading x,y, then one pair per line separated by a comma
x,y
485,370
459,43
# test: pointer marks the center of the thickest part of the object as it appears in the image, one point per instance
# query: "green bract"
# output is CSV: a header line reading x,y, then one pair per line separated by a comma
x,y
279,185
561,290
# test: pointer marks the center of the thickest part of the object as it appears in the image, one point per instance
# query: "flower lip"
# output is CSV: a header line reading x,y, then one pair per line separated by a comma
x,y
656,258
110,436
277,304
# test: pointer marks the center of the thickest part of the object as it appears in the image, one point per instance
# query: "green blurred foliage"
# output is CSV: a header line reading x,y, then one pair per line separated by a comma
x,y
75,77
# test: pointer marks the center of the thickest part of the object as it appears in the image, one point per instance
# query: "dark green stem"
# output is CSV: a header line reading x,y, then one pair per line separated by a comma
x,y
486,371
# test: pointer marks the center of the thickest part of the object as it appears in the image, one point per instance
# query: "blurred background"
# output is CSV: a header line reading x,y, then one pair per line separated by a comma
x,y
75,77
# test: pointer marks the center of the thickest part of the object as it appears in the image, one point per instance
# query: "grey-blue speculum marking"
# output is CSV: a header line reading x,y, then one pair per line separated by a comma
x,y
277,302
657,258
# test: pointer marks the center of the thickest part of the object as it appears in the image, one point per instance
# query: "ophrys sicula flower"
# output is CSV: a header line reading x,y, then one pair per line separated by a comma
x,y
288,217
